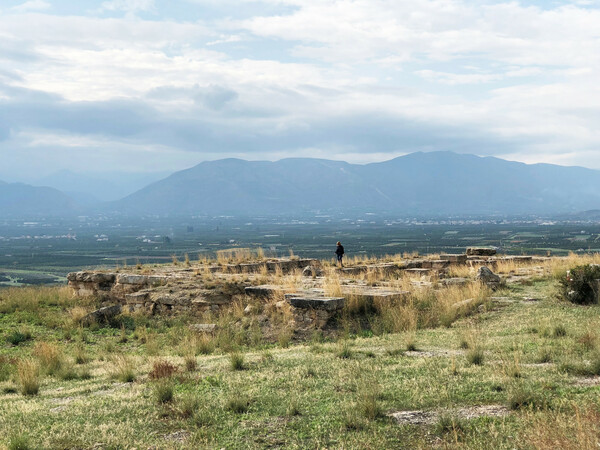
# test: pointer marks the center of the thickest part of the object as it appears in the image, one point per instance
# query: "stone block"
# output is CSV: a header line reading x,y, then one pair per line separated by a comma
x,y
481,251
324,303
264,290
456,258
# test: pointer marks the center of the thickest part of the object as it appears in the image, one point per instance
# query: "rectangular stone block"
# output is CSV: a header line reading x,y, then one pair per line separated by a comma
x,y
325,303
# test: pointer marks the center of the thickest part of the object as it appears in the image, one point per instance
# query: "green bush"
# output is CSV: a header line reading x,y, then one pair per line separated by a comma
x,y
579,285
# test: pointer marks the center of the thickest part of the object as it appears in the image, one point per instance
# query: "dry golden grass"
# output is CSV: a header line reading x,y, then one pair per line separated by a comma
x,y
77,313
578,429
32,298
28,376
234,255
332,284
50,357
557,267
461,271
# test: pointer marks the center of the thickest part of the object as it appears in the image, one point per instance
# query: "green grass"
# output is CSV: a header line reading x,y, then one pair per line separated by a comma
x,y
328,395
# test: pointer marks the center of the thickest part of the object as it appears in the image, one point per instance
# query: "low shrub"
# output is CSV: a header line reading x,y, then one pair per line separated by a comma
x,y
579,285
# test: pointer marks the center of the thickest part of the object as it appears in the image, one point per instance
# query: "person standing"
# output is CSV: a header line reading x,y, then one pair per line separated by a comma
x,y
339,251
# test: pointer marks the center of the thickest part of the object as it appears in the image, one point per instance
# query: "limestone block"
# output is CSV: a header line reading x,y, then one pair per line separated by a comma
x,y
325,303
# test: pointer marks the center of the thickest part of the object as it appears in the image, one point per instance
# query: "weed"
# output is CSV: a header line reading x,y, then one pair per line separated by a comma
x,y
163,391
559,331
411,345
544,356
205,344
237,403
28,376
285,337
352,420
344,350
367,404
50,357
188,406
475,356
449,424
80,354
521,398
122,369
162,369
17,337
588,340
236,361
293,407
19,442
190,363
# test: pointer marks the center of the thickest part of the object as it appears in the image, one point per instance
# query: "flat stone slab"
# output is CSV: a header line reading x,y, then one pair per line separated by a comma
x,y
264,290
203,327
418,272
326,303
455,258
432,416
457,281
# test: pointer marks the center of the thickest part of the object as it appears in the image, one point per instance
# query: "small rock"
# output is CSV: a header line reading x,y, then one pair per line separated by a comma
x,y
178,436
203,327
248,310
312,271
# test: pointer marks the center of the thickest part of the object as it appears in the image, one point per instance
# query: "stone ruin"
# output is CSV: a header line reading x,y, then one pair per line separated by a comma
x,y
180,289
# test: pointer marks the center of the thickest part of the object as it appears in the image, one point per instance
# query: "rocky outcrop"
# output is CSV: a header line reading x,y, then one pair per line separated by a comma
x,y
101,315
489,278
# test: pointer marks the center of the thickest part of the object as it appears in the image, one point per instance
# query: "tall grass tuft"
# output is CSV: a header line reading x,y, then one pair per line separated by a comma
x,y
50,357
28,376
236,361
122,369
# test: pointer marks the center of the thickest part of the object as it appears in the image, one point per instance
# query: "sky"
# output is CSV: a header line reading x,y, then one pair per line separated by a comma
x,y
158,86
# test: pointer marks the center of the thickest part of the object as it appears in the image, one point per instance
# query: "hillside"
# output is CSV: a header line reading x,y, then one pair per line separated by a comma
x,y
419,183
17,199
452,365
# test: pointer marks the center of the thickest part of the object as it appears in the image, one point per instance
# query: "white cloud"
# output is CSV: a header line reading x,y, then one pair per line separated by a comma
x,y
128,6
32,5
492,78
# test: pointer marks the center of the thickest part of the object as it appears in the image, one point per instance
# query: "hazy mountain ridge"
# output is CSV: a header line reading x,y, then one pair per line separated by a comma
x,y
18,199
419,183
430,184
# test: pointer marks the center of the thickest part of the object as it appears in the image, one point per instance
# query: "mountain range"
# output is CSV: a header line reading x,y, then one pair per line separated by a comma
x,y
434,183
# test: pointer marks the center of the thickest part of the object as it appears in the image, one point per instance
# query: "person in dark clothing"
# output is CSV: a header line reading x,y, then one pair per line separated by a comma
x,y
339,251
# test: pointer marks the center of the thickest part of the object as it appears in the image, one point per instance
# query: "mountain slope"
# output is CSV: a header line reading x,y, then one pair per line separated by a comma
x,y
419,183
23,200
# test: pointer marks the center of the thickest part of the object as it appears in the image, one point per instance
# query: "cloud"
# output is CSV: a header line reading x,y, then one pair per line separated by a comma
x,y
375,78
32,5
128,6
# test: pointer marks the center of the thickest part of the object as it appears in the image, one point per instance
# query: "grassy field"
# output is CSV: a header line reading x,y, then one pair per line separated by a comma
x,y
147,382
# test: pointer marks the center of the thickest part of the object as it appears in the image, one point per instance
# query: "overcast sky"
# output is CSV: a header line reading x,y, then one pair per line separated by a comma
x,y
151,85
